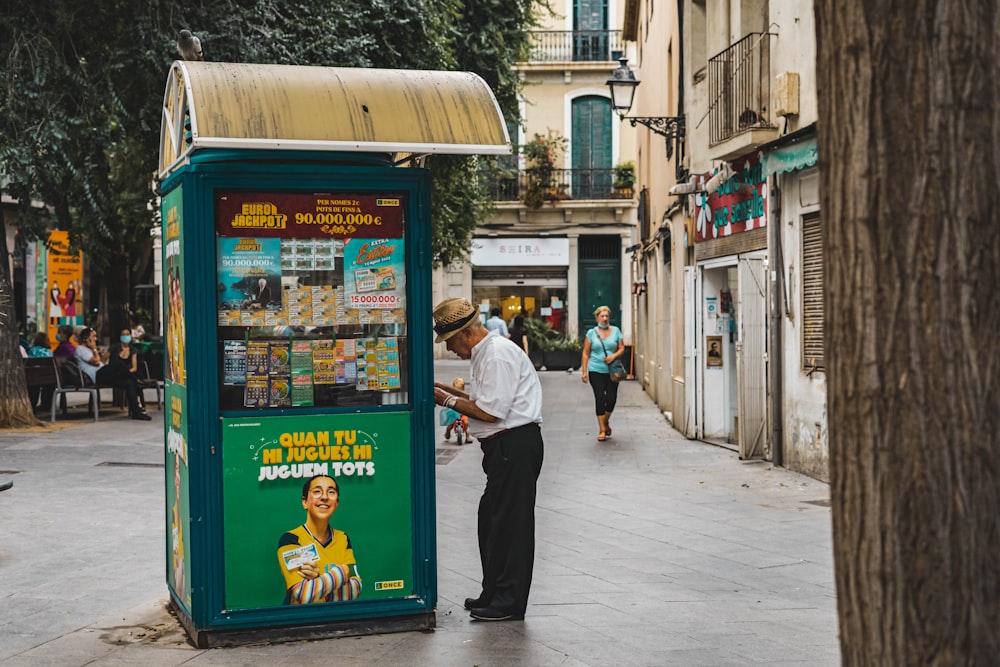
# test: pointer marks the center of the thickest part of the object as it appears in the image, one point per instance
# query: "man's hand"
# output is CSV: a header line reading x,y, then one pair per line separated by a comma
x,y
308,571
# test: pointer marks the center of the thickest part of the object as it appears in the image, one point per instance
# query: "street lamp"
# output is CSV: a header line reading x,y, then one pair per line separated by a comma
x,y
622,85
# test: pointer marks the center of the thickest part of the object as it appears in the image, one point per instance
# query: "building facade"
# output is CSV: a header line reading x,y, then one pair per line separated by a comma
x,y
731,260
555,248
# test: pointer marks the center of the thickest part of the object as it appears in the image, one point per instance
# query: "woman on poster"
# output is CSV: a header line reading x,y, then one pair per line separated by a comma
x,y
55,307
317,561
69,300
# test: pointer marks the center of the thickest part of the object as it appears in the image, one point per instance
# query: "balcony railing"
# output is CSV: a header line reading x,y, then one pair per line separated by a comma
x,y
576,45
565,184
739,86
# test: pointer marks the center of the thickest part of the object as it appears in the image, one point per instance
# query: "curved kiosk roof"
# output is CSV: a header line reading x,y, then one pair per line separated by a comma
x,y
292,107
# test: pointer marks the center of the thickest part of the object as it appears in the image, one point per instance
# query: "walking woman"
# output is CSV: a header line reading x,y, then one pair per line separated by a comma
x,y
604,344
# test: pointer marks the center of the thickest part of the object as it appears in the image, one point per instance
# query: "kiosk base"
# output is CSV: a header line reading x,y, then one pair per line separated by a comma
x,y
330,630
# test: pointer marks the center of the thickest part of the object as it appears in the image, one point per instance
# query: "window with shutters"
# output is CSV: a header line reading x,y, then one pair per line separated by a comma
x,y
591,147
813,358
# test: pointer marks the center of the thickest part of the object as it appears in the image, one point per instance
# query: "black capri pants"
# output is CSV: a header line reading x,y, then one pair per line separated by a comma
x,y
605,392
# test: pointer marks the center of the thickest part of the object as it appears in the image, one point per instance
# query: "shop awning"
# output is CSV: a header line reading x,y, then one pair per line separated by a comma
x,y
290,107
790,158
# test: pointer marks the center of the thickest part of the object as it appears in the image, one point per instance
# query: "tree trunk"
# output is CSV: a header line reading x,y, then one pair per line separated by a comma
x,y
15,409
909,139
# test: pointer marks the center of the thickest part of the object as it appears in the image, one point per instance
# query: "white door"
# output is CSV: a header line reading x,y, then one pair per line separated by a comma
x,y
751,361
691,423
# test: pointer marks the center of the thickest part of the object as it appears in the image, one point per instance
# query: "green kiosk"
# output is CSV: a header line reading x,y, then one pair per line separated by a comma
x,y
298,340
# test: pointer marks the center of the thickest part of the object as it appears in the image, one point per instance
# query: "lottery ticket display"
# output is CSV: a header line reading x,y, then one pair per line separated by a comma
x,y
311,299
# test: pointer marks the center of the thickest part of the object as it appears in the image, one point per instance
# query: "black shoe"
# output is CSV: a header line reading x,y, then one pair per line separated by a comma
x,y
142,415
491,614
475,603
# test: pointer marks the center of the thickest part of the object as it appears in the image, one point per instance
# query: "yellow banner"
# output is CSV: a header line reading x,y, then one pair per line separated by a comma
x,y
65,284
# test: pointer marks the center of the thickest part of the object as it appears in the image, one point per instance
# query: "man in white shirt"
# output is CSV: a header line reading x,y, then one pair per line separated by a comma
x,y
495,323
505,413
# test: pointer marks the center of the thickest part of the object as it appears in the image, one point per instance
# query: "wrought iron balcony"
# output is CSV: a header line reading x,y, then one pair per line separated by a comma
x,y
576,45
564,184
739,87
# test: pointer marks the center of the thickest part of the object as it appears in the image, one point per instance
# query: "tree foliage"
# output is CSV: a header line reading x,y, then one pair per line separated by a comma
x,y
82,85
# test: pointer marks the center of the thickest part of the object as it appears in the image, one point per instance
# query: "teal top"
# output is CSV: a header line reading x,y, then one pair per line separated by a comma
x,y
596,363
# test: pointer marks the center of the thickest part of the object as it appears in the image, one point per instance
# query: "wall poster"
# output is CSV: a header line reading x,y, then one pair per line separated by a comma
x,y
64,299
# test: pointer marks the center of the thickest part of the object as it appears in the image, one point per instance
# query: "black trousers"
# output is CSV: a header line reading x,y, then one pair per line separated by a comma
x,y
605,392
512,462
117,375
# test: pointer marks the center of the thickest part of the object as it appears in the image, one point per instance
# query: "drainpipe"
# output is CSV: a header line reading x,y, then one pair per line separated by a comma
x,y
776,271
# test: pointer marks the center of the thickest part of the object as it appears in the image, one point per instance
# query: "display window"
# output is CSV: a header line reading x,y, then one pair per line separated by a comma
x,y
311,299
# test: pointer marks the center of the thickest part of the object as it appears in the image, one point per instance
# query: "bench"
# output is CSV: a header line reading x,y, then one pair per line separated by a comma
x,y
74,379
147,381
45,372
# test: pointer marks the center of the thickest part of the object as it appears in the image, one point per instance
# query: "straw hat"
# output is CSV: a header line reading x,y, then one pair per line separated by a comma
x,y
451,316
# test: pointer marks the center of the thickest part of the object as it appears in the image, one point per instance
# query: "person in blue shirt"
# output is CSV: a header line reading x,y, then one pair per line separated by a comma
x,y
40,346
603,345
496,323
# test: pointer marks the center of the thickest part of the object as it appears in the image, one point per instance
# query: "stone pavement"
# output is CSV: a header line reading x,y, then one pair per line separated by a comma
x,y
652,550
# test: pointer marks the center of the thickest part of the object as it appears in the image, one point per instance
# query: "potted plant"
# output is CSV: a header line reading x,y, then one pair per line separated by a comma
x,y
541,155
562,353
624,179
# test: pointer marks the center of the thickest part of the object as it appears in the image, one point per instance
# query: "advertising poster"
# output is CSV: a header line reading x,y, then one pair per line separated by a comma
x,y
173,318
178,507
175,397
739,205
301,215
272,557
249,271
64,298
374,274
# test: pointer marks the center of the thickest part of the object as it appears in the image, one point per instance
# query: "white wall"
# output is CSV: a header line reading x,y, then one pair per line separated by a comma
x,y
804,437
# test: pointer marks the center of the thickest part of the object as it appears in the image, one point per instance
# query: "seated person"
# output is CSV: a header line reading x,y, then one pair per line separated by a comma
x,y
40,395
113,370
40,346
137,331
66,348
316,560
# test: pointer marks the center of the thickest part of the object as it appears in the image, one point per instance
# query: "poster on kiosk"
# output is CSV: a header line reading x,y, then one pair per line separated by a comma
x,y
312,314
297,337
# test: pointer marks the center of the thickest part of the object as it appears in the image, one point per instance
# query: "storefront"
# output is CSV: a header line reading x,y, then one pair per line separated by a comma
x,y
729,319
522,275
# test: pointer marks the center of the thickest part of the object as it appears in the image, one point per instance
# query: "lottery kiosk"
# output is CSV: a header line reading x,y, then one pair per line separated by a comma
x,y
298,343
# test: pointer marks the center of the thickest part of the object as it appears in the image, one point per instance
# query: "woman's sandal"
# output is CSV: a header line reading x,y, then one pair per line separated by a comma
x,y
607,433
601,437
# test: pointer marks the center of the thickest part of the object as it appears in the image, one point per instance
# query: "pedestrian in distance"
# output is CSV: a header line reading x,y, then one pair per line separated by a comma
x,y
496,323
505,413
519,334
603,344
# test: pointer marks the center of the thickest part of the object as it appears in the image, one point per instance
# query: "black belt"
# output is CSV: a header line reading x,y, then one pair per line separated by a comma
x,y
493,436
